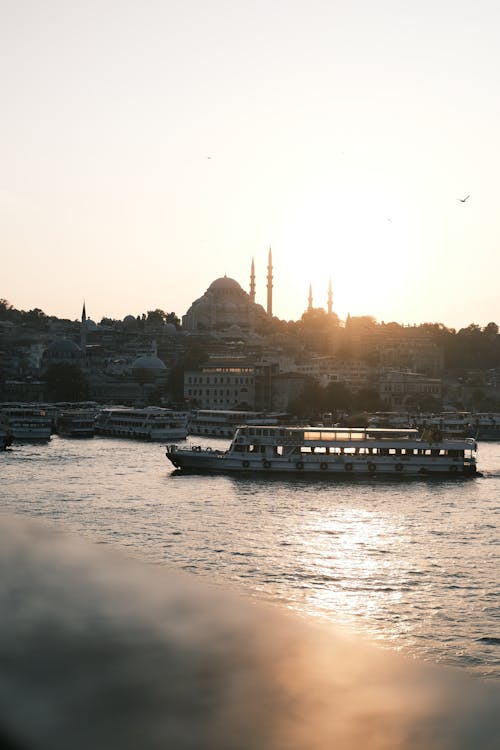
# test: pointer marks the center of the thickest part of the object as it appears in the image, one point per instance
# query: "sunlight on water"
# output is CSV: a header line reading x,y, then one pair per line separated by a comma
x,y
351,553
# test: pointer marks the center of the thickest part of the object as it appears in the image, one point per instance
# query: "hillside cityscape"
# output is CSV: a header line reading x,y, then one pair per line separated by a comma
x,y
229,353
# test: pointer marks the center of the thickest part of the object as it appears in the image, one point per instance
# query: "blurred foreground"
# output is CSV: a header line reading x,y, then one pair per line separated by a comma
x,y
98,651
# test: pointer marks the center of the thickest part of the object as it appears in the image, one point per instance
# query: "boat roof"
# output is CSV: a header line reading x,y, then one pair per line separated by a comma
x,y
376,431
347,435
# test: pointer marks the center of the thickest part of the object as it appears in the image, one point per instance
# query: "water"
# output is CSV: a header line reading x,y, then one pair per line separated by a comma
x,y
414,566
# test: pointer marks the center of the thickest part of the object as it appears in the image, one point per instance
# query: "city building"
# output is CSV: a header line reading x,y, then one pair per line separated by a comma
x,y
402,390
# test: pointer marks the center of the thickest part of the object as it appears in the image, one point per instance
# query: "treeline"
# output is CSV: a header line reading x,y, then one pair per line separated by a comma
x,y
471,348
37,319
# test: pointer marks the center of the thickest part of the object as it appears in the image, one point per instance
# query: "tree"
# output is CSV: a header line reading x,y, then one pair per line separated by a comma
x,y
155,318
309,403
491,330
367,399
5,308
66,382
172,318
337,396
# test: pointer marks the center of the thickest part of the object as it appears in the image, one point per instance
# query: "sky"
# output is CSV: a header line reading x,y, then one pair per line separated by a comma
x,y
148,148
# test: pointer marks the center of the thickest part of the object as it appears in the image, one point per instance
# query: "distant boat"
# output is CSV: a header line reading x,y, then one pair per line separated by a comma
x,y
5,434
335,452
481,426
76,423
150,423
28,422
223,422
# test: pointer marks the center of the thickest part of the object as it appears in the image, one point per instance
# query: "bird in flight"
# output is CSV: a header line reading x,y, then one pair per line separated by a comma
x,y
462,200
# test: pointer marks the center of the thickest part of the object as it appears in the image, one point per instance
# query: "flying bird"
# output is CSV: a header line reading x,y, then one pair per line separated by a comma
x,y
462,200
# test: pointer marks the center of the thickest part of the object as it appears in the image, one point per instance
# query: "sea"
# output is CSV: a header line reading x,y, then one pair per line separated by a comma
x,y
413,566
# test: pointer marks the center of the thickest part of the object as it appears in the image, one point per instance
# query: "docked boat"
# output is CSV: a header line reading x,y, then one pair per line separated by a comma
x,y
77,423
223,422
27,422
486,426
5,434
479,425
150,423
320,451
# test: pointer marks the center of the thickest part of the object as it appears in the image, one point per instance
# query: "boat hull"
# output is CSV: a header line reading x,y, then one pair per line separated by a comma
x,y
206,461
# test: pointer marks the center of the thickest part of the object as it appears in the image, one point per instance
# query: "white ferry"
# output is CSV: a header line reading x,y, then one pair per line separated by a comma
x,y
76,423
27,421
150,423
223,423
335,451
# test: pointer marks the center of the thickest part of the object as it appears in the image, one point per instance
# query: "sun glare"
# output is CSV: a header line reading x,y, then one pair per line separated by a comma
x,y
354,235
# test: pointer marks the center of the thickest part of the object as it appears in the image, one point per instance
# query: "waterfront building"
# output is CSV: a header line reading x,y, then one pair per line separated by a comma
x,y
401,390
221,385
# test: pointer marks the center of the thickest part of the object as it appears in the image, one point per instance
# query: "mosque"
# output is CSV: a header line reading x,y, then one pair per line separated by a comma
x,y
225,304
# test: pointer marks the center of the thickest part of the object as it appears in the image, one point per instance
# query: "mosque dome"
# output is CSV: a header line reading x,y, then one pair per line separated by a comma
x,y
62,351
129,323
224,284
63,348
169,328
223,305
148,363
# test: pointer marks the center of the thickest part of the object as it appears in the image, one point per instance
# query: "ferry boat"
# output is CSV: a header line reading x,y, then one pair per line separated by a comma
x,y
76,423
320,451
29,422
150,423
223,423
479,425
486,426
5,434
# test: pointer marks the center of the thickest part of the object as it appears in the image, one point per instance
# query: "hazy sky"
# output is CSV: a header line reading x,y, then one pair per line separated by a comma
x,y
148,148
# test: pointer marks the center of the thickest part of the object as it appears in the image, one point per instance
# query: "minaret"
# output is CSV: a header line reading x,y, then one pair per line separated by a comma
x,y
310,305
270,285
83,332
252,282
330,297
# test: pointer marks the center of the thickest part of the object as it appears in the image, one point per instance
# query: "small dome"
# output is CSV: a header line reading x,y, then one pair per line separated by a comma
x,y
129,319
148,363
169,328
62,347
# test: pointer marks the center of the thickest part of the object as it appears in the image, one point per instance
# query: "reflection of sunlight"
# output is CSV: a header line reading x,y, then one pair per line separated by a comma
x,y
352,572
